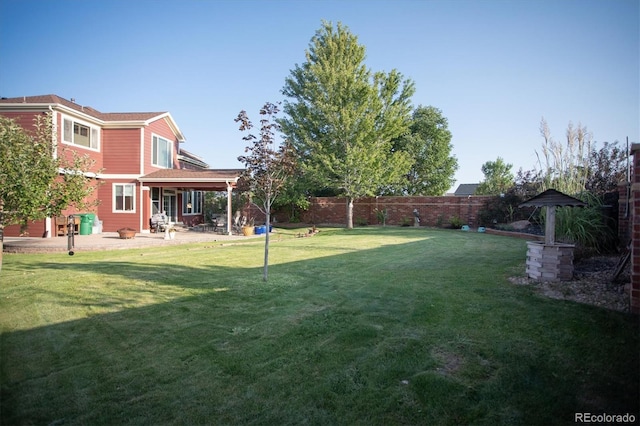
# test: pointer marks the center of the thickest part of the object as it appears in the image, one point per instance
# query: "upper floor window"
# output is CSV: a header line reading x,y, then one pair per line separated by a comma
x,y
77,133
192,202
162,153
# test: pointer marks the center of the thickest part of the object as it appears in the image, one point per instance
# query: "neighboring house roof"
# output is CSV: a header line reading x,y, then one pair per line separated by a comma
x,y
106,119
191,158
208,179
466,189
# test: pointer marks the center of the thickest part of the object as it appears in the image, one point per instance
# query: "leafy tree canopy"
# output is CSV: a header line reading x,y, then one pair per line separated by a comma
x,y
498,178
429,145
342,117
32,186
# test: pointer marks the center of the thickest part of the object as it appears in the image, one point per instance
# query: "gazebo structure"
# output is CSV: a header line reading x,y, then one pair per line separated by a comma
x,y
548,260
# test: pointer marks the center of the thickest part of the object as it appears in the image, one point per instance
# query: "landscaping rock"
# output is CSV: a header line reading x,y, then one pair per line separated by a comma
x,y
520,225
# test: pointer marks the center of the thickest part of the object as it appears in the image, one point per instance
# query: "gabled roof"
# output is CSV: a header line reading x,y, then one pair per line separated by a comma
x,y
466,189
106,119
551,197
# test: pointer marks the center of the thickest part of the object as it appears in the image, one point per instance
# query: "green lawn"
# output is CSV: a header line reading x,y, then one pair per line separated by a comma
x,y
369,326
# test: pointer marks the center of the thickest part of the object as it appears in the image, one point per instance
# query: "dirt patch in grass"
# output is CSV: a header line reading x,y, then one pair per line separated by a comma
x,y
451,363
592,284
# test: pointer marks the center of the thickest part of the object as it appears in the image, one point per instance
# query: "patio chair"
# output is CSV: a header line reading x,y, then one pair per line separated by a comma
x,y
159,222
220,224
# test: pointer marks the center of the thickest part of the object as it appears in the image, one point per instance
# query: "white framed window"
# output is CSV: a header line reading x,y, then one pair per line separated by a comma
x,y
162,152
124,198
80,133
192,202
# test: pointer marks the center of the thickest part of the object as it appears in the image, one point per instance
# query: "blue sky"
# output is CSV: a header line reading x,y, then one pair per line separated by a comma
x,y
493,67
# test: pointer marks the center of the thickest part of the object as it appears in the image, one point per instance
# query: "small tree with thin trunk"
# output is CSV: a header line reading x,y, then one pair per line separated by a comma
x,y
267,167
38,179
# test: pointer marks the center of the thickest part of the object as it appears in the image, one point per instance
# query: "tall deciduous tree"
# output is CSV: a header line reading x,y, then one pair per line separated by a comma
x,y
267,167
342,118
498,178
429,144
32,186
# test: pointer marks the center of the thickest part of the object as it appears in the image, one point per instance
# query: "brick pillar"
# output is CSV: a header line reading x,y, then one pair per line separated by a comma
x,y
634,291
624,213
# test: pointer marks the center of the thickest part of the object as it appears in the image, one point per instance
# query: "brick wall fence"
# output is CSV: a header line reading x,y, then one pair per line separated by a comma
x,y
434,211
632,226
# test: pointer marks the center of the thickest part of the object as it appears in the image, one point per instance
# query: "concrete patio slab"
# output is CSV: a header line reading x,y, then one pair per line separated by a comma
x,y
111,241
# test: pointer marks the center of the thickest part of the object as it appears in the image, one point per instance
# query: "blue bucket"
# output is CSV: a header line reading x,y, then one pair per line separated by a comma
x,y
262,229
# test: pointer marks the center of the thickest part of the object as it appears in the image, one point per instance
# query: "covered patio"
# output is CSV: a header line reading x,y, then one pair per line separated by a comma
x,y
192,180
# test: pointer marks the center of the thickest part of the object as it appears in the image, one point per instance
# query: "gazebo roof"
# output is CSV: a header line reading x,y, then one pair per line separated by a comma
x,y
551,197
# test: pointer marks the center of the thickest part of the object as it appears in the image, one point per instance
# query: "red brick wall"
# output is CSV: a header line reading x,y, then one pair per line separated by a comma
x,y
434,211
624,213
634,290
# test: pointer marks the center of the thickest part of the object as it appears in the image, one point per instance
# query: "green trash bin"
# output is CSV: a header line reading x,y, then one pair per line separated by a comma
x,y
86,223
92,221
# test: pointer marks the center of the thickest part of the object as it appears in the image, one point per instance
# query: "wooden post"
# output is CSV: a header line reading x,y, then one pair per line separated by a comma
x,y
550,226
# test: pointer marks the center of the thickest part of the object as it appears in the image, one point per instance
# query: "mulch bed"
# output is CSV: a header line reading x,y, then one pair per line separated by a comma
x,y
592,284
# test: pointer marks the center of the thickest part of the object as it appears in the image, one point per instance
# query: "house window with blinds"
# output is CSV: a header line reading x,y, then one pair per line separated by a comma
x,y
124,197
80,134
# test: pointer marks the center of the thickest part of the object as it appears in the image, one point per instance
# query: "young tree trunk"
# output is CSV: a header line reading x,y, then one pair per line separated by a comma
x,y
1,231
265,272
349,212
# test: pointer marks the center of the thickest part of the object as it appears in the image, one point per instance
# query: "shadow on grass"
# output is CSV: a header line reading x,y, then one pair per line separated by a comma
x,y
389,335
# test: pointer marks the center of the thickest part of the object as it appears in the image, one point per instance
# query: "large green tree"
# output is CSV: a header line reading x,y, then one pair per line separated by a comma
x,y
32,186
498,178
429,144
342,117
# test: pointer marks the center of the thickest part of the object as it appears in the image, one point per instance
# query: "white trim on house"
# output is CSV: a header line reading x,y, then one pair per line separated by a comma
x,y
118,176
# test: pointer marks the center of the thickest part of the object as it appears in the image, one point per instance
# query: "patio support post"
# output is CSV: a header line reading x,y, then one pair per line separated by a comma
x,y
229,212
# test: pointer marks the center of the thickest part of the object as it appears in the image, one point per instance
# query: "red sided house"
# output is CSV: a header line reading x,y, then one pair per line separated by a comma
x,y
143,170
